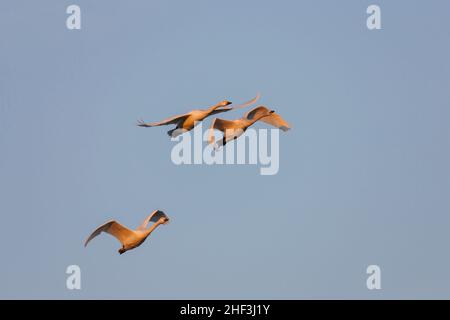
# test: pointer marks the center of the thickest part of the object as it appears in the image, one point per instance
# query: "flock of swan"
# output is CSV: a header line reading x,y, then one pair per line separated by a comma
x,y
231,129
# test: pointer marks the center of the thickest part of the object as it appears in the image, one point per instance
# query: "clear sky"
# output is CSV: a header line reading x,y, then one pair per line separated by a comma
x,y
364,174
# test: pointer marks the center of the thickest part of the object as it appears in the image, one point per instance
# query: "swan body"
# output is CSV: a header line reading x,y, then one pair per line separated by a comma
x,y
130,239
232,129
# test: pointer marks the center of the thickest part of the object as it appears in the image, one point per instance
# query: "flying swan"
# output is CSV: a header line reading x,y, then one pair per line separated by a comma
x,y
232,129
131,239
186,122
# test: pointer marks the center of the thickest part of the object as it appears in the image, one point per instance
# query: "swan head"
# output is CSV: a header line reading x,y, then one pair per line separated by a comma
x,y
163,220
224,103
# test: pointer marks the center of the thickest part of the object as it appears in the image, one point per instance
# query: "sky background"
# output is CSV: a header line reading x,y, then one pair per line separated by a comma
x,y
364,174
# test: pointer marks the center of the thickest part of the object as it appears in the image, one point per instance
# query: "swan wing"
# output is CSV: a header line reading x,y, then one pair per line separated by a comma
x,y
153,217
114,228
256,112
277,121
248,103
171,120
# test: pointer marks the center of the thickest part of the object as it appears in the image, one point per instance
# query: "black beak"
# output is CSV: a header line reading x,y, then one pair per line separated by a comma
x,y
272,111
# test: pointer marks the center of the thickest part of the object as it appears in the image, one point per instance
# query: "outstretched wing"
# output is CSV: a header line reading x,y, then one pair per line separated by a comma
x,y
220,124
256,112
277,121
153,217
270,117
171,120
248,103
114,228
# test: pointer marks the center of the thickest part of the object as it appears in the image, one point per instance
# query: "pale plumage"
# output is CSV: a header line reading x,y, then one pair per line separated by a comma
x,y
130,239
186,122
232,129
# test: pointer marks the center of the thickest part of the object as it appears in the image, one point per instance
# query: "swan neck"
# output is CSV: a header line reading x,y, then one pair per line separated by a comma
x,y
214,107
152,227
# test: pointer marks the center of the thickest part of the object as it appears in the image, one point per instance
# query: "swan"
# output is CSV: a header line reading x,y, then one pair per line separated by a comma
x,y
186,122
131,239
232,129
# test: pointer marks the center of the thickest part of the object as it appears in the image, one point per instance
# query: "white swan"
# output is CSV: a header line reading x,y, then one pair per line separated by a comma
x,y
130,239
186,122
232,129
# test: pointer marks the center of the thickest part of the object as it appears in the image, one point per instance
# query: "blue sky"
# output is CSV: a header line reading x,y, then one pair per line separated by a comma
x,y
364,176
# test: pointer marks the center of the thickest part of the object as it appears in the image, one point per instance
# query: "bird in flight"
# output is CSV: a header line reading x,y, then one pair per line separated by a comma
x,y
232,129
131,239
186,122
